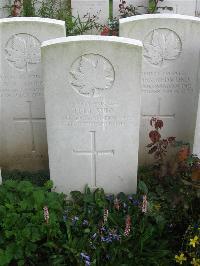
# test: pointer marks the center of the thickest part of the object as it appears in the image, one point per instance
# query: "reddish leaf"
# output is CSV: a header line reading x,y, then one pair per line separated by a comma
x,y
171,139
154,136
150,145
158,124
153,150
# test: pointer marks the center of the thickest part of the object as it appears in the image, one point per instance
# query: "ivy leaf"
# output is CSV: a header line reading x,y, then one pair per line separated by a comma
x,y
23,51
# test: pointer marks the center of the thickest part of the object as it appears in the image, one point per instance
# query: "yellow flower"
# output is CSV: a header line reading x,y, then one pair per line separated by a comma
x,y
181,258
157,206
194,241
195,262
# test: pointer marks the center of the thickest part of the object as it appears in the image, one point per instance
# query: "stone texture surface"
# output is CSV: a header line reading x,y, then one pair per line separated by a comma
x,y
170,74
93,7
92,110
23,142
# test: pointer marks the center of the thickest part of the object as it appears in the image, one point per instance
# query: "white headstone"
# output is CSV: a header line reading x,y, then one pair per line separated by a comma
x,y
23,142
93,117
183,7
4,10
196,147
141,6
100,8
197,12
170,74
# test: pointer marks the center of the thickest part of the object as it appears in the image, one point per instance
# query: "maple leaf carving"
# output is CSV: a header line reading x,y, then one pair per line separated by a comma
x,y
164,45
93,75
22,51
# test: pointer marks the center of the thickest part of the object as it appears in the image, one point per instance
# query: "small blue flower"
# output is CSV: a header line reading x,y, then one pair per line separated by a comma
x,y
130,197
135,202
86,258
75,219
64,217
103,229
85,222
124,205
110,197
94,236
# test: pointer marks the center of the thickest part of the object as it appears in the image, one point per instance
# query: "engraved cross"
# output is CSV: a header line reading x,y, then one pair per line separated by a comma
x,y
94,153
31,120
158,112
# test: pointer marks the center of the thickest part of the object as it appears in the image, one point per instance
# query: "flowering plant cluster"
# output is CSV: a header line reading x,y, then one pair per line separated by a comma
x,y
39,227
190,249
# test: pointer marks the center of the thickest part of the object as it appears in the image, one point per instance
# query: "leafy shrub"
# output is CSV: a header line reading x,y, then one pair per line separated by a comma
x,y
39,227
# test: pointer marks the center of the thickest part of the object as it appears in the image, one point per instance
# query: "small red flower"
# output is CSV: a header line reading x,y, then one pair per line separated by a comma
x,y
105,31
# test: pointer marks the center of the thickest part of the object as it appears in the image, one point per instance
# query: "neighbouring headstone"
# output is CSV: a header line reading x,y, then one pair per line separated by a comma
x,y
197,11
140,6
170,84
183,7
4,8
196,147
93,116
99,8
23,142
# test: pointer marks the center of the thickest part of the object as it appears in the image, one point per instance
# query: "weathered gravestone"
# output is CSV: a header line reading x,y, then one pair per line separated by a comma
x,y
99,8
23,142
92,111
170,84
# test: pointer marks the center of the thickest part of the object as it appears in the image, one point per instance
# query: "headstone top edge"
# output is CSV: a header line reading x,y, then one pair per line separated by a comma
x,y
91,38
158,16
33,19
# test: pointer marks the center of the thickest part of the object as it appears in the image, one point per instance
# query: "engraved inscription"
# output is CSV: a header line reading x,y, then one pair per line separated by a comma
x,y
91,75
94,153
167,82
30,119
23,85
162,46
23,52
97,114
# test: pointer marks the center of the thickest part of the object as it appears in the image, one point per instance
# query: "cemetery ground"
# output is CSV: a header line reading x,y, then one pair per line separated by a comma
x,y
159,225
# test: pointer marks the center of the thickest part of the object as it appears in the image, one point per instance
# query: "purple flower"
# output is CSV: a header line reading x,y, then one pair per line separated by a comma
x,y
86,258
